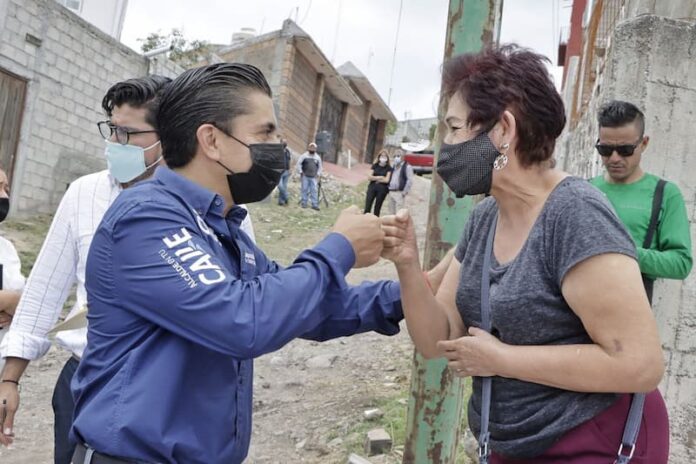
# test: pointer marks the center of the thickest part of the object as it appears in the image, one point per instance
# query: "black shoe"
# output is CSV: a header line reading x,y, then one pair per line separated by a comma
x,y
316,208
304,206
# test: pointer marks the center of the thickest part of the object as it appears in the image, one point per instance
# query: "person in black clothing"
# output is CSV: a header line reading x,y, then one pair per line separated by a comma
x,y
378,189
283,184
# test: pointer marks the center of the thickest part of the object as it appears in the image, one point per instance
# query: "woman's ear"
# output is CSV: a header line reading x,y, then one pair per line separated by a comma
x,y
505,132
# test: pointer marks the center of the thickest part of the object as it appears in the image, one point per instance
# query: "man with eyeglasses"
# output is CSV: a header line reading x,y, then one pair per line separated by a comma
x,y
651,208
132,152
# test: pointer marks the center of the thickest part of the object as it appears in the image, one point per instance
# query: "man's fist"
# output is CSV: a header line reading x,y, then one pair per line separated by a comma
x,y
364,233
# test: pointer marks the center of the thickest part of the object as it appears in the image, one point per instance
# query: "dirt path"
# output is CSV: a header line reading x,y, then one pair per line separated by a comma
x,y
301,413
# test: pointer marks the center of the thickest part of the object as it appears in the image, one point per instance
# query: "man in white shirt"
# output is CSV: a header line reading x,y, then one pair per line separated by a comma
x,y
11,278
400,183
133,153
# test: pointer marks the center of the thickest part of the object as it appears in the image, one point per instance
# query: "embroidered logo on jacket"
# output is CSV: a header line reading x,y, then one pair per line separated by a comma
x,y
189,261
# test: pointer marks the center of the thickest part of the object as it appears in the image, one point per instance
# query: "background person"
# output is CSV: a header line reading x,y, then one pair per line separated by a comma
x,y
378,188
400,183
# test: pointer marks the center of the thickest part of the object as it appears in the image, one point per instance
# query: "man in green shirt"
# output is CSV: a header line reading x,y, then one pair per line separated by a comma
x,y
622,142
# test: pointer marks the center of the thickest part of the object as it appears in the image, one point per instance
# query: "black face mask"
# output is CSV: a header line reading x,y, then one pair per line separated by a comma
x,y
467,167
4,208
267,165
311,152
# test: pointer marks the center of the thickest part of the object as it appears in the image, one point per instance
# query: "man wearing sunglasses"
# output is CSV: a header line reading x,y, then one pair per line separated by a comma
x,y
652,209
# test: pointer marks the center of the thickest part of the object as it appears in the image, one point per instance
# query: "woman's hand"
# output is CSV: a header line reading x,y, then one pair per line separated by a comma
x,y
479,355
400,244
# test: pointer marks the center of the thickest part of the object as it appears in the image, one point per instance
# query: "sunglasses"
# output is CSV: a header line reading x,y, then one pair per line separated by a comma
x,y
622,150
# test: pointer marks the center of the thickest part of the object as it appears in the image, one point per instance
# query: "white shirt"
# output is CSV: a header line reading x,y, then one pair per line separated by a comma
x,y
60,264
12,278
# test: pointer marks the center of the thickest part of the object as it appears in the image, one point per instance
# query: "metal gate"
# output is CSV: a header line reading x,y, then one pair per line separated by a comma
x,y
12,93
330,121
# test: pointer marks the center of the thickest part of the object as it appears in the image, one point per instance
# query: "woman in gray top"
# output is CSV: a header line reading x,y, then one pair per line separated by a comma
x,y
571,330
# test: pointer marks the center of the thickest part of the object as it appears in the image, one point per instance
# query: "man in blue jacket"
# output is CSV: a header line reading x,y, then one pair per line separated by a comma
x,y
181,301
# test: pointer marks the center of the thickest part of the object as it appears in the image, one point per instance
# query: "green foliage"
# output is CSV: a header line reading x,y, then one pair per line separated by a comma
x,y
431,132
391,128
184,52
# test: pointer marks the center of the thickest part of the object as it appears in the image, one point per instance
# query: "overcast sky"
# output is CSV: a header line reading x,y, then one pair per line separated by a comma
x,y
361,31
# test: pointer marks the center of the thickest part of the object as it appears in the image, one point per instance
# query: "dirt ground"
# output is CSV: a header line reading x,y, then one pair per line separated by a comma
x,y
301,413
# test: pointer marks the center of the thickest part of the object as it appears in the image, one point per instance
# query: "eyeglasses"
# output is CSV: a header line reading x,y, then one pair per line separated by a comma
x,y
107,130
622,150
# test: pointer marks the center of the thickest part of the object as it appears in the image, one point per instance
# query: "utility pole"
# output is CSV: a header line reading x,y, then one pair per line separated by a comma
x,y
436,399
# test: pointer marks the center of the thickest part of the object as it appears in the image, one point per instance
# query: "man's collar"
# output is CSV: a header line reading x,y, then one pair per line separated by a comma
x,y
202,200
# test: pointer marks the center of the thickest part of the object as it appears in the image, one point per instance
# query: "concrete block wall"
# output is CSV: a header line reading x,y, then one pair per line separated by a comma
x,y
652,62
67,75
677,9
163,66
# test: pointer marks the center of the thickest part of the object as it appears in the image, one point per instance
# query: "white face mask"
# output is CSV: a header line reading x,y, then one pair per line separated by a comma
x,y
126,162
397,159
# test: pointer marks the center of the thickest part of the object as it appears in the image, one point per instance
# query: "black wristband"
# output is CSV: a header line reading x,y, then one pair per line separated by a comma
x,y
10,381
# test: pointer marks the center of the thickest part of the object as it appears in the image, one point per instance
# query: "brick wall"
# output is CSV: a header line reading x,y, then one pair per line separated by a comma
x,y
67,74
353,136
262,55
297,119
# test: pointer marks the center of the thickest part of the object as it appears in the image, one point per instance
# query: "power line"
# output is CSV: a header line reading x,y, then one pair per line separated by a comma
x,y
338,26
396,43
306,13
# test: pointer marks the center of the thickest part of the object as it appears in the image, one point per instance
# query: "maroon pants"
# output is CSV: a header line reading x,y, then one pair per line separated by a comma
x,y
597,440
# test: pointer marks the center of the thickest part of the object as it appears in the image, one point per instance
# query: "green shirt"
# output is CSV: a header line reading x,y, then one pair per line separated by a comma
x,y
669,255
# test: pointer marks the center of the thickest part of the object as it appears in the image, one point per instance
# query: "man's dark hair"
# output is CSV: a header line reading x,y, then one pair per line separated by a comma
x,y
617,113
214,94
141,92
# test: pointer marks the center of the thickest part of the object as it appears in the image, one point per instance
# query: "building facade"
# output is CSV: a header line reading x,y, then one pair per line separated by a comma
x,y
312,97
642,51
54,70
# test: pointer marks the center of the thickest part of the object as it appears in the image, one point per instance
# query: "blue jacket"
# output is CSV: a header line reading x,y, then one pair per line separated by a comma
x,y
180,302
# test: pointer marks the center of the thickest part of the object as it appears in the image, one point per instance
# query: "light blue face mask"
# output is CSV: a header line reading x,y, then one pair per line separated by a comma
x,y
126,162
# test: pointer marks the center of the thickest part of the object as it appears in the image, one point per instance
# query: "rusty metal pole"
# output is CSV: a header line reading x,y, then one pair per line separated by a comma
x,y
435,403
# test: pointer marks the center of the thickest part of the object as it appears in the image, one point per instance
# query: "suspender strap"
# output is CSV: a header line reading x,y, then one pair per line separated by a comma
x,y
655,213
484,436
652,230
635,413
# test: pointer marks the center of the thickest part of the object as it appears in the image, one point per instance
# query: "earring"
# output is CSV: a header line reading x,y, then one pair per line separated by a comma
x,y
502,160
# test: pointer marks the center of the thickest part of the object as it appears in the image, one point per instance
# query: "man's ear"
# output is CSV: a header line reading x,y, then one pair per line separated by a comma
x,y
209,138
